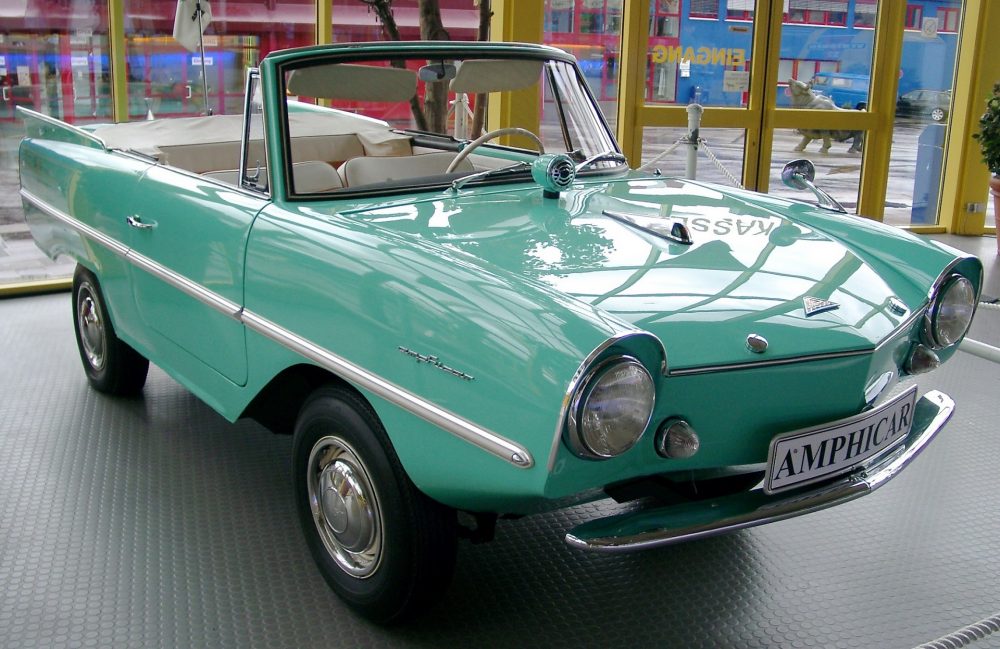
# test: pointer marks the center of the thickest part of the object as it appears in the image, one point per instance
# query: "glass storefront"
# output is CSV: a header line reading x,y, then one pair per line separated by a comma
x,y
930,44
55,58
719,156
165,79
699,52
838,171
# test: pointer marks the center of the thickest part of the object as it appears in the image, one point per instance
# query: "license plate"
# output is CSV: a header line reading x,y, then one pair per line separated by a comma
x,y
805,456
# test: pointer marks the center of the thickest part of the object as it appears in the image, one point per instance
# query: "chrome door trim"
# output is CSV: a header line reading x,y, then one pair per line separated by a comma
x,y
456,425
192,289
434,414
91,233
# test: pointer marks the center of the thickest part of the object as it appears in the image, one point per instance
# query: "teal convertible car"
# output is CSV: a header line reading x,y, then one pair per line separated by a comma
x,y
459,325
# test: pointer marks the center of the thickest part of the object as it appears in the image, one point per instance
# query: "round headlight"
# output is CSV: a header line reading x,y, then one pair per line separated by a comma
x,y
611,409
951,311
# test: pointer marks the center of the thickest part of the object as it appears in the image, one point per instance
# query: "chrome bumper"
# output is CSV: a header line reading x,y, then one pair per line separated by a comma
x,y
652,528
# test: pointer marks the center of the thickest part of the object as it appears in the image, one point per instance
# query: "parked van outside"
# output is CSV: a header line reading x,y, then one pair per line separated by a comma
x,y
845,89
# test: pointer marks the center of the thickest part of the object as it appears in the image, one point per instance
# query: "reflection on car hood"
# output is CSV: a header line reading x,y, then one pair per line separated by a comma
x,y
749,269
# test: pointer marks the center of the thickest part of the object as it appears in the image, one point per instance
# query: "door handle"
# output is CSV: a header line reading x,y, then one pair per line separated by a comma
x,y
6,93
136,222
188,89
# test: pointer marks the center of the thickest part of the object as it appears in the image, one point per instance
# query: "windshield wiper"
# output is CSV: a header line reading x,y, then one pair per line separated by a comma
x,y
604,156
517,166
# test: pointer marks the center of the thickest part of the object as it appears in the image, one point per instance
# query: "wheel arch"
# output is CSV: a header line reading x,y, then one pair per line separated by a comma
x,y
278,403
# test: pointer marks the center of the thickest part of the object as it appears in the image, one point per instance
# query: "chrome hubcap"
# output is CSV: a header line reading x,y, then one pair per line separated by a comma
x,y
91,326
345,506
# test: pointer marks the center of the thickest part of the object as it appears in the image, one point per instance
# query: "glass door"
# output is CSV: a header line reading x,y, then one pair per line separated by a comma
x,y
860,87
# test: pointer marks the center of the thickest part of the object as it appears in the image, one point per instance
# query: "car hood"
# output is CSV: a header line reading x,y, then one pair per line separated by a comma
x,y
753,265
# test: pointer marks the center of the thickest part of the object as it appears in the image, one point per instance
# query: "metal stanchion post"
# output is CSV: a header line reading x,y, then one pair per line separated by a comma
x,y
694,126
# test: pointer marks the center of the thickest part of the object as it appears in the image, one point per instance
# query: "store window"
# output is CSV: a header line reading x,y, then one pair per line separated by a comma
x,y
808,12
559,16
865,13
914,17
923,112
168,79
591,22
613,16
948,19
825,66
54,60
704,9
596,43
695,59
664,18
739,9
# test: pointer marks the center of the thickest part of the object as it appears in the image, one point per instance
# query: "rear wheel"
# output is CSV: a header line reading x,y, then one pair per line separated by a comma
x,y
383,546
111,365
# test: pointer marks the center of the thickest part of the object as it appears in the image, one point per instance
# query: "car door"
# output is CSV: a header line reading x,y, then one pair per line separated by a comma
x,y
188,240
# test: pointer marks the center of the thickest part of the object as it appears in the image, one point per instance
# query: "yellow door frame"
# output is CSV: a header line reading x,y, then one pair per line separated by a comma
x,y
965,176
516,21
116,48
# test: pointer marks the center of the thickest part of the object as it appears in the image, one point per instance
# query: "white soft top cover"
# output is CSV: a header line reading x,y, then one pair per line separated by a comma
x,y
148,137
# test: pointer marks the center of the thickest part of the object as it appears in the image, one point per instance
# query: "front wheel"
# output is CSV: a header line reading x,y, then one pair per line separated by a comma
x,y
383,546
938,114
111,365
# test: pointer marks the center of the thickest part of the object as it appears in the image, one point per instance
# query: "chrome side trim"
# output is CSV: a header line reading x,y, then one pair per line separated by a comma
x,y
485,439
184,285
91,233
657,527
752,365
181,283
449,421
708,369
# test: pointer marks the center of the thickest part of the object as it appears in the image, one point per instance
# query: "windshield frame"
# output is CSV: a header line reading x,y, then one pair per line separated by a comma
x,y
282,63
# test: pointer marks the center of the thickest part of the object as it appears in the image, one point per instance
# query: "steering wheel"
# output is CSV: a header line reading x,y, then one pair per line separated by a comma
x,y
486,137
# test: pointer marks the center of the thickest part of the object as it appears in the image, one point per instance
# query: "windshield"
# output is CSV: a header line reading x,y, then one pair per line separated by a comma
x,y
396,124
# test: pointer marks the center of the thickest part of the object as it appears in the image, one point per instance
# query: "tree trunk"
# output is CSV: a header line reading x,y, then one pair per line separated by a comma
x,y
436,93
383,10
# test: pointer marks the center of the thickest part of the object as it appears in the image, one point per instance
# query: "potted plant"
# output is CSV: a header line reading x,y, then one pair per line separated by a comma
x,y
989,141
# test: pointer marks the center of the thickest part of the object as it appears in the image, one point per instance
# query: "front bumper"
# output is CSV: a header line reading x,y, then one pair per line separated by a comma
x,y
650,528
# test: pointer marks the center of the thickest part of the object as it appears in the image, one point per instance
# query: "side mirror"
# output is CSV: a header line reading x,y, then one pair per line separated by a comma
x,y
800,174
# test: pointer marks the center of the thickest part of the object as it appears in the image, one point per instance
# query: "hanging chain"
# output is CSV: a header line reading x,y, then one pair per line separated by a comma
x,y
703,145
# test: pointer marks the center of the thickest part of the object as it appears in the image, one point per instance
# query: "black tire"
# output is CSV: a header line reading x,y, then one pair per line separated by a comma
x,y
938,114
383,546
111,365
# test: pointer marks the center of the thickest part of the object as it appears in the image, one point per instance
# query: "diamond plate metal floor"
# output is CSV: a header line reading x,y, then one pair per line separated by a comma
x,y
155,523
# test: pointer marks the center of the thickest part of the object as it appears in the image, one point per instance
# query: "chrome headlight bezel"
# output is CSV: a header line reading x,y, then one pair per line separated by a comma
x,y
579,439
940,330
